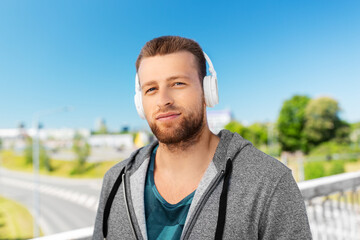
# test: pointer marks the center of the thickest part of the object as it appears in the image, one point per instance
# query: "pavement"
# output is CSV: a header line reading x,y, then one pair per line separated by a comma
x,y
65,204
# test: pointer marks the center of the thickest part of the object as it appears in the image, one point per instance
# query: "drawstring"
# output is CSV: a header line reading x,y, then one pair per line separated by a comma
x,y
223,202
110,201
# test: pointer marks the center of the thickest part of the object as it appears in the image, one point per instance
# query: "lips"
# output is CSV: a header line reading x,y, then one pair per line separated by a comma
x,y
167,116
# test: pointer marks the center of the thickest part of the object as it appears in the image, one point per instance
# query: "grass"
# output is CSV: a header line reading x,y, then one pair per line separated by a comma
x,y
350,166
15,220
61,168
97,170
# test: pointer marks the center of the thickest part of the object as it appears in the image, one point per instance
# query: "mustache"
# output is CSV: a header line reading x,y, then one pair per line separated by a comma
x,y
168,108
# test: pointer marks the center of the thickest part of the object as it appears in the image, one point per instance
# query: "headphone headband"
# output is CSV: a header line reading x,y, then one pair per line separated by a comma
x,y
211,66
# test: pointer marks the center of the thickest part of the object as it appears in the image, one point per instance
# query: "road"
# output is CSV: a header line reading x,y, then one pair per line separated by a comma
x,y
65,204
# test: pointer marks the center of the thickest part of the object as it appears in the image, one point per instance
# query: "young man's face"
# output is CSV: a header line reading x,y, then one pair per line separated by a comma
x,y
172,96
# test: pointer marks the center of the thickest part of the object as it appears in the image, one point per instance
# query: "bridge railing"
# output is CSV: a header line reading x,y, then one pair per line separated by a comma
x,y
78,234
333,207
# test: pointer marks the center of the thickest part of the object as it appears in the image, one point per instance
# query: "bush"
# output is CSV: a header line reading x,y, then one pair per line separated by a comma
x,y
314,170
352,160
332,147
319,169
337,167
82,151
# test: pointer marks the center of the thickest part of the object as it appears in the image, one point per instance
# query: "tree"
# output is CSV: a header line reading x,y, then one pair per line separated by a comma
x,y
44,159
291,123
235,126
28,151
257,133
342,132
322,122
82,150
355,133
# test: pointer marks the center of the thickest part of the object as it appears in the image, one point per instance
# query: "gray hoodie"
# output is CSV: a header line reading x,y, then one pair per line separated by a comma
x,y
261,198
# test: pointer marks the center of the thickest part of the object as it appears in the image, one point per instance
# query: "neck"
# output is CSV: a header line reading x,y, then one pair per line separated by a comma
x,y
190,157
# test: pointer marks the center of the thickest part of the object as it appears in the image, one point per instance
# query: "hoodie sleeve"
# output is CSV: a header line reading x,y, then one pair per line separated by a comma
x,y
284,216
105,190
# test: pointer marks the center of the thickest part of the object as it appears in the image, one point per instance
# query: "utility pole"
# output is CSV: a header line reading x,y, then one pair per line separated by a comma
x,y
36,164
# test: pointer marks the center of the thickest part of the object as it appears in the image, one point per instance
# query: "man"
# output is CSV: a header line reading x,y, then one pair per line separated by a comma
x,y
192,184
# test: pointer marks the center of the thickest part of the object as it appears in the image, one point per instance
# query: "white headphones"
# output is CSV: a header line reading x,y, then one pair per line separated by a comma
x,y
209,85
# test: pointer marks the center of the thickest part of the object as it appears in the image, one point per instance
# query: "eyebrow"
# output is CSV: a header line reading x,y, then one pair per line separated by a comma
x,y
168,80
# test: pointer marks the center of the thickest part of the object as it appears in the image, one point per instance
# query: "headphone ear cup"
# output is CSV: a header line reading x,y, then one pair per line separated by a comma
x,y
207,90
210,91
138,104
214,91
138,98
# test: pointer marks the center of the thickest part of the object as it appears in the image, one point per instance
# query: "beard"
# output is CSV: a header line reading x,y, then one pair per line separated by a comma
x,y
191,124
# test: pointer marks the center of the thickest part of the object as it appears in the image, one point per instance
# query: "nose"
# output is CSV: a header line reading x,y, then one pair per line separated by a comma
x,y
165,98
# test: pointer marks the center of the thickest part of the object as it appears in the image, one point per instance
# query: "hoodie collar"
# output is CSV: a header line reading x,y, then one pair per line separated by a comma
x,y
229,145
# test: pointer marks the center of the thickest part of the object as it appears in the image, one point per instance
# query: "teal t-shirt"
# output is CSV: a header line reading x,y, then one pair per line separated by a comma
x,y
163,220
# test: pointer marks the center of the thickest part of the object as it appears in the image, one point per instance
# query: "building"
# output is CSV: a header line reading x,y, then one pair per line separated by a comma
x,y
218,119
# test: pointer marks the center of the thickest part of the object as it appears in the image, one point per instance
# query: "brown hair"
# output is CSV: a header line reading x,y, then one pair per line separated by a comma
x,y
171,44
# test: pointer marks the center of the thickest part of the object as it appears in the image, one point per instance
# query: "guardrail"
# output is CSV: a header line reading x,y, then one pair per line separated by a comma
x,y
78,234
333,206
332,203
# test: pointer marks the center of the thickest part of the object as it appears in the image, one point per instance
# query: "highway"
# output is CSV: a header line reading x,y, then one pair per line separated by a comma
x,y
65,204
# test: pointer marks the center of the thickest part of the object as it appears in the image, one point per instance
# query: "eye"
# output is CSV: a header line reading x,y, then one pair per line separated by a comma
x,y
150,90
179,83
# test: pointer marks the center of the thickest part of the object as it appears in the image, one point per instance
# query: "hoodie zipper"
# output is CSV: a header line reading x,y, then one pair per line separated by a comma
x,y
127,206
201,203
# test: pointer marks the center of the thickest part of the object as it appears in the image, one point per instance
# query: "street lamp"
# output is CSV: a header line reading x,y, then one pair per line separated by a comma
x,y
36,165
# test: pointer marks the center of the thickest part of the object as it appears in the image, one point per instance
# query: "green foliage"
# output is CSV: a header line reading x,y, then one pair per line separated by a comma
x,y
337,167
355,126
28,151
342,132
332,147
255,133
62,168
305,123
355,133
291,122
45,161
82,151
314,170
322,122
333,150
237,127
317,169
16,221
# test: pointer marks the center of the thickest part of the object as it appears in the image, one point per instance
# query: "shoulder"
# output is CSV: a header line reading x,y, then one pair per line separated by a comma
x,y
113,173
247,159
254,166
253,159
260,177
131,163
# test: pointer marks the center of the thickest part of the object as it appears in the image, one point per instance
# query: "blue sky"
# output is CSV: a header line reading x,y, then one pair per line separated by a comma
x,y
82,54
